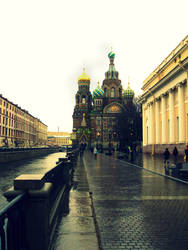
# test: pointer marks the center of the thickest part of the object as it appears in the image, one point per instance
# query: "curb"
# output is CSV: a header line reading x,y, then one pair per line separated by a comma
x,y
93,211
164,175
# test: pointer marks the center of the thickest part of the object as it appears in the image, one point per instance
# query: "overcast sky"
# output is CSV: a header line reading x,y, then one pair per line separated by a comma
x,y
45,44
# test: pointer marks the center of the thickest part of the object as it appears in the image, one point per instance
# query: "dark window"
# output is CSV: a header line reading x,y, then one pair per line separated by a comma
x,y
78,99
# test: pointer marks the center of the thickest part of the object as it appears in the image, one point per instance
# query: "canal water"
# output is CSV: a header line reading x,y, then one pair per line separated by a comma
x,y
9,171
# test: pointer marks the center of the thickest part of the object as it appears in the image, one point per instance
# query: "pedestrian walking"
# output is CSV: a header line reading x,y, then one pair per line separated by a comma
x,y
175,154
95,152
186,153
81,149
166,160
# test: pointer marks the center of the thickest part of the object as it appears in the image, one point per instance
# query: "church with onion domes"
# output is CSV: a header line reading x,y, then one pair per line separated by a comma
x,y
95,114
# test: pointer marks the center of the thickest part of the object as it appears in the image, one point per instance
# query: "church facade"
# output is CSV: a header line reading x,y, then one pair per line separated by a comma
x,y
95,114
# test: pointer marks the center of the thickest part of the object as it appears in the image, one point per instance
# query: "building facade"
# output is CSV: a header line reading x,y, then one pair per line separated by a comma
x,y
165,103
18,128
95,115
58,138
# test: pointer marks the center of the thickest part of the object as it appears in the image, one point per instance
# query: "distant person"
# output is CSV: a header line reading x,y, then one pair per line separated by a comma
x,y
175,154
166,154
186,153
95,152
81,149
166,160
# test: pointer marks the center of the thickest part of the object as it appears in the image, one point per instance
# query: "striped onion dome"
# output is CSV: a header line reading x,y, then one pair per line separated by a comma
x,y
128,93
98,92
111,54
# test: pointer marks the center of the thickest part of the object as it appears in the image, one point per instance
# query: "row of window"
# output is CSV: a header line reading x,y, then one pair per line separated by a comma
x,y
12,133
111,92
19,124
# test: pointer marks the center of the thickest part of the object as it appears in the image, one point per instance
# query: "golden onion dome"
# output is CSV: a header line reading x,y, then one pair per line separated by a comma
x,y
83,76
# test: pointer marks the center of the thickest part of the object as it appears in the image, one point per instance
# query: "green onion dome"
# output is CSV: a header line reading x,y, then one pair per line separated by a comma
x,y
111,55
128,93
98,92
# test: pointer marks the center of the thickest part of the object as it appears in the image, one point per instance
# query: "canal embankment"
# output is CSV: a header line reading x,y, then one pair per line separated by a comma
x,y
34,165
9,155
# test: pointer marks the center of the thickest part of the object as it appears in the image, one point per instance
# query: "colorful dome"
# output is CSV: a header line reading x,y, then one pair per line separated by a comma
x,y
128,93
98,92
83,76
111,55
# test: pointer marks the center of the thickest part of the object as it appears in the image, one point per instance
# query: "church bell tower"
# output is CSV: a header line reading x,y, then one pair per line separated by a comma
x,y
83,99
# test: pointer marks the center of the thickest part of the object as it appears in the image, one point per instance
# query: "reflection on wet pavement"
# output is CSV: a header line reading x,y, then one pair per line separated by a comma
x,y
137,209
76,230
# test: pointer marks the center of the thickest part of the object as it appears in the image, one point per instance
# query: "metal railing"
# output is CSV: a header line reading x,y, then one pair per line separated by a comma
x,y
12,230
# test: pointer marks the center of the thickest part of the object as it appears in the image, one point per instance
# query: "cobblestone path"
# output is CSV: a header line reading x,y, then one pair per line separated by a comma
x,y
136,209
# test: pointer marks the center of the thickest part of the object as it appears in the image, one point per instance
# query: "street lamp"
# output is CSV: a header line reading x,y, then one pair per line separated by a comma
x,y
109,144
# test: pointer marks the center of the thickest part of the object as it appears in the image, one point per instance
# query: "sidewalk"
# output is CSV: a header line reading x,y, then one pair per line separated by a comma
x,y
76,230
134,209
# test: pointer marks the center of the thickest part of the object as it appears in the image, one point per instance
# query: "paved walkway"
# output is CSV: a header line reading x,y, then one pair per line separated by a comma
x,y
130,208
77,230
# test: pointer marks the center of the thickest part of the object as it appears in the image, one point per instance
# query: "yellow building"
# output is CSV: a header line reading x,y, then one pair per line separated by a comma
x,y
41,133
165,103
18,127
58,138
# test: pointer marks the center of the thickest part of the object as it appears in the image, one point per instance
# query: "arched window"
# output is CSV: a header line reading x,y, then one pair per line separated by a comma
x,y
112,92
83,99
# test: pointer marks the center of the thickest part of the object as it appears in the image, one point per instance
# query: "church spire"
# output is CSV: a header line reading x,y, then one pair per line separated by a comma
x,y
111,73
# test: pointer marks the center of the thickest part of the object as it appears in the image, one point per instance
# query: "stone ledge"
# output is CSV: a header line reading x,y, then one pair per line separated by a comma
x,y
29,182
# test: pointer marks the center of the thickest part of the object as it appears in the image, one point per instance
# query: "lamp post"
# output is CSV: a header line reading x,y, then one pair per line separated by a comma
x,y
109,144
97,139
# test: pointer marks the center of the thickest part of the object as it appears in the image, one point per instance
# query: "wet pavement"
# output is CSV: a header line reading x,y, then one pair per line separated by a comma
x,y
130,208
76,229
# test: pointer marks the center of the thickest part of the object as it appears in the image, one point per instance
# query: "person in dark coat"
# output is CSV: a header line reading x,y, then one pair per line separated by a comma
x,y
175,154
166,160
186,153
166,154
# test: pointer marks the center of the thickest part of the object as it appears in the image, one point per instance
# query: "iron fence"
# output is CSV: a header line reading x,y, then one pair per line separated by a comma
x,y
12,229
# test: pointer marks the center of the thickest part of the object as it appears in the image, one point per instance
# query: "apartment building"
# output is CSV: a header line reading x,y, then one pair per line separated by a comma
x,y
18,128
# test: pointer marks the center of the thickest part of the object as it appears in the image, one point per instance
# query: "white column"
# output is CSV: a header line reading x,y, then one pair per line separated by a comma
x,y
157,121
151,123
181,113
163,111
144,125
171,116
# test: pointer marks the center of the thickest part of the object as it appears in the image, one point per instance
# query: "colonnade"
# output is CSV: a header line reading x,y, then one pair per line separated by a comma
x,y
162,124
